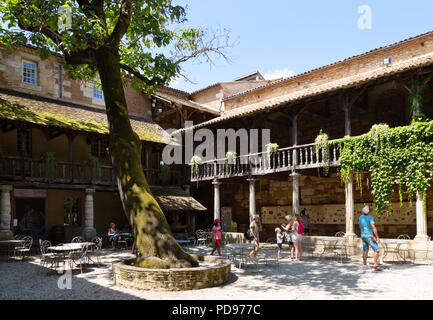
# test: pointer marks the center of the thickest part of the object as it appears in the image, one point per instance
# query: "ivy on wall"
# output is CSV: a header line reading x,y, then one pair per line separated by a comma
x,y
401,156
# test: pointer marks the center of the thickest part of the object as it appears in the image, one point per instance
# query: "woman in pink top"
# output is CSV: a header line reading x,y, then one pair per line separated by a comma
x,y
217,236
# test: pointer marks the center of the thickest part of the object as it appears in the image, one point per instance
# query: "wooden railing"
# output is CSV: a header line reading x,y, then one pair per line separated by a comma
x,y
263,163
34,170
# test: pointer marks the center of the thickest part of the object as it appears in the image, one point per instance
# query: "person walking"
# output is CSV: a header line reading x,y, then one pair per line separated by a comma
x,y
255,228
217,236
369,237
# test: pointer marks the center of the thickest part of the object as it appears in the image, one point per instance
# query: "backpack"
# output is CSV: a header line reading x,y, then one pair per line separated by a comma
x,y
248,235
301,228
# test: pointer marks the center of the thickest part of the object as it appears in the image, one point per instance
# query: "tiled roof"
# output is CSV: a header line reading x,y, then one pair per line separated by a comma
x,y
341,83
185,102
54,113
175,199
333,64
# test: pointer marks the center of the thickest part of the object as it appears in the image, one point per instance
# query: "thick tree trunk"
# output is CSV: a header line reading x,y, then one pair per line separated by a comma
x,y
154,240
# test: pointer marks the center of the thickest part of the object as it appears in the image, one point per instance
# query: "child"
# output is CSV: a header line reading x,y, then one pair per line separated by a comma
x,y
280,237
217,236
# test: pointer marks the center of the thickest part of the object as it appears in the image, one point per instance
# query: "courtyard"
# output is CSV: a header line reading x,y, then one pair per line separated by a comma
x,y
314,278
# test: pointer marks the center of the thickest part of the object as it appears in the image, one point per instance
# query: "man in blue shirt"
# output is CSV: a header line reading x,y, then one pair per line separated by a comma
x,y
366,223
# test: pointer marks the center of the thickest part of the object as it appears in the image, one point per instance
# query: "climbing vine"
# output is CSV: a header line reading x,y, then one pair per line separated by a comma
x,y
401,156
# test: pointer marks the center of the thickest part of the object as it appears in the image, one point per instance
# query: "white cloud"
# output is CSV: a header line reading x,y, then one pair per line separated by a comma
x,y
277,74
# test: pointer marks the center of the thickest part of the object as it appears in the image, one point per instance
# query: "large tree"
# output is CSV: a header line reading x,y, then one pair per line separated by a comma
x,y
139,40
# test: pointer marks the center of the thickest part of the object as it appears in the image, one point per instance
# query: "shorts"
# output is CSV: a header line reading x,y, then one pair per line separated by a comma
x,y
366,242
116,235
280,246
256,244
218,242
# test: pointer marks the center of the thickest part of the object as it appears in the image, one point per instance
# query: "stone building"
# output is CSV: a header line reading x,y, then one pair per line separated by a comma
x,y
344,98
55,169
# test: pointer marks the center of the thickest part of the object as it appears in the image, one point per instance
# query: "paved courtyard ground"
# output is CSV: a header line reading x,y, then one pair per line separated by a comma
x,y
313,278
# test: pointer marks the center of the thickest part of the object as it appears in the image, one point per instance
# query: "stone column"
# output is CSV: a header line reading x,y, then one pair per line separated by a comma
x,y
421,220
5,213
350,207
89,231
216,206
295,193
252,206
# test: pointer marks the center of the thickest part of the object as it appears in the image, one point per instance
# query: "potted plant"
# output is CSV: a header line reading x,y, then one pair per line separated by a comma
x,y
272,148
321,143
194,163
230,156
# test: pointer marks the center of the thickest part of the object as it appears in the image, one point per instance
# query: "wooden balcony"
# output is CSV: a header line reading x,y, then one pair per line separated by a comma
x,y
33,170
260,164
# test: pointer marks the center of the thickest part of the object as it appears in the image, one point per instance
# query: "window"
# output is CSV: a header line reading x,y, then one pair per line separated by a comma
x,y
24,142
97,92
72,212
100,148
29,73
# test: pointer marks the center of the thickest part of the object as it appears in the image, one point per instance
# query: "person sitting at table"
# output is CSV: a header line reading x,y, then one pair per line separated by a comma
x,y
113,234
217,236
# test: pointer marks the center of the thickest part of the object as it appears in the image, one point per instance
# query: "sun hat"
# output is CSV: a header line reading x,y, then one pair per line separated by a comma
x,y
217,220
256,216
366,210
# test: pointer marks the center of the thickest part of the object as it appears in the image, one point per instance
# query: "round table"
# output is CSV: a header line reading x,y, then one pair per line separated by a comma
x,y
397,242
330,240
242,247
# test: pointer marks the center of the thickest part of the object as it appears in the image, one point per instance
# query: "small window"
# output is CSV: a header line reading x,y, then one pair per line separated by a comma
x,y
97,92
100,148
24,142
29,72
72,212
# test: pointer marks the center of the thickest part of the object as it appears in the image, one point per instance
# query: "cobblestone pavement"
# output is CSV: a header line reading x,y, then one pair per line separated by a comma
x,y
313,278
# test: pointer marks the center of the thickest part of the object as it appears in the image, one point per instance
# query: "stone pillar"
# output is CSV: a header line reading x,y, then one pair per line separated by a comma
x,y
216,206
252,206
350,207
421,220
89,231
5,213
295,195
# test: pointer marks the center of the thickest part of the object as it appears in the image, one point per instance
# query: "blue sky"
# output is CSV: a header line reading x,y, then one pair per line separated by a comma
x,y
281,37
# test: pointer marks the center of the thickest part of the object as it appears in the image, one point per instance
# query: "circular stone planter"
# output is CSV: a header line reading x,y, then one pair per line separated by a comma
x,y
215,272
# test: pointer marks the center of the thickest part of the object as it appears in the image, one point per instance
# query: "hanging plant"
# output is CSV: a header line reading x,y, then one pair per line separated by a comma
x,y
272,148
48,162
416,101
230,156
322,143
93,163
399,157
194,163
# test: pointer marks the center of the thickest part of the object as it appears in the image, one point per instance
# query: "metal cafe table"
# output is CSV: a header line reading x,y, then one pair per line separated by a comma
x,y
332,241
241,247
11,243
396,251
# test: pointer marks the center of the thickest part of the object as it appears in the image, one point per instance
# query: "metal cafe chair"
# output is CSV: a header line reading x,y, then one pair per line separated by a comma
x,y
201,237
78,257
78,239
24,249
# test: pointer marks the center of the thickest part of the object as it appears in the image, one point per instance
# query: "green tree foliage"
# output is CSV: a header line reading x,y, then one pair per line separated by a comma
x,y
141,42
